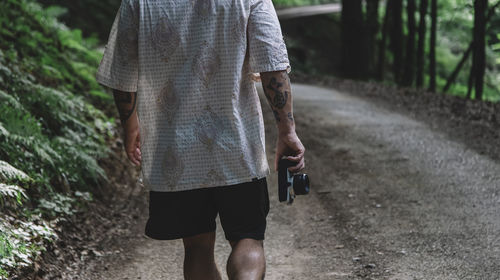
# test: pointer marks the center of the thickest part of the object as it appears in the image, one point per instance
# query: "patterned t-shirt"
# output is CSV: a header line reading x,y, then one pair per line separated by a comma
x,y
194,64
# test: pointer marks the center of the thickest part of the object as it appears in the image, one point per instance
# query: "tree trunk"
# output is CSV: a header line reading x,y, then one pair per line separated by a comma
x,y
432,58
421,43
454,74
409,67
353,61
479,49
372,26
470,82
383,41
397,38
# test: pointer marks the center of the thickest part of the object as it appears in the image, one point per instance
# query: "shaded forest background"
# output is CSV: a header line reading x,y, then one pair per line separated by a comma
x,y
426,44
57,123
421,43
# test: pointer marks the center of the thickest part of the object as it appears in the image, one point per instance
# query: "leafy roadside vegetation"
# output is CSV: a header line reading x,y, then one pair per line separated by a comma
x,y
88,15
52,133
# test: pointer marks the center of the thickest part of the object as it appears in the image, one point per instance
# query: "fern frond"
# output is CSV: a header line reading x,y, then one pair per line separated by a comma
x,y
12,192
9,173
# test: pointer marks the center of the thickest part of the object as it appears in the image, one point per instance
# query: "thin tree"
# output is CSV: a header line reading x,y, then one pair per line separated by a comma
x,y
479,47
465,56
470,81
383,41
397,38
409,67
353,61
457,69
421,43
372,27
432,53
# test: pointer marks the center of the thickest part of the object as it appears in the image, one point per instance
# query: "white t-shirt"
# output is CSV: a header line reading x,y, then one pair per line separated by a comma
x,y
194,64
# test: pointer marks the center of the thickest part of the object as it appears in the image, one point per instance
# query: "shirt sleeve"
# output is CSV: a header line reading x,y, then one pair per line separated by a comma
x,y
266,45
118,68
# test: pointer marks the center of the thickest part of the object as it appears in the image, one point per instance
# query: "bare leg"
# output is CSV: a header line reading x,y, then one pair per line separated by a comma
x,y
247,260
199,261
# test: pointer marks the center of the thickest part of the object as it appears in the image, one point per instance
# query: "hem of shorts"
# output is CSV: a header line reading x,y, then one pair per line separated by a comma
x,y
226,183
238,237
106,81
173,236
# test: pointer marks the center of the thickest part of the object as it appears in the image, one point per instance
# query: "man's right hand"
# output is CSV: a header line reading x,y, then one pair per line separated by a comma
x,y
289,145
132,139
125,103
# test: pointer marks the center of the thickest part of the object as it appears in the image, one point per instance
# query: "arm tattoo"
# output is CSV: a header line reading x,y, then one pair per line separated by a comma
x,y
290,117
276,87
276,115
280,98
125,103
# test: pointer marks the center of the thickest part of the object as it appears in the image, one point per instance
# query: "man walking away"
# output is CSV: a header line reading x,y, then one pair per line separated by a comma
x,y
182,74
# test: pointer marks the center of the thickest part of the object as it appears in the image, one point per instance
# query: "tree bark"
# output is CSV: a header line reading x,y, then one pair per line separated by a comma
x,y
353,61
383,41
409,67
455,72
372,27
432,54
479,48
421,43
397,38
465,56
470,82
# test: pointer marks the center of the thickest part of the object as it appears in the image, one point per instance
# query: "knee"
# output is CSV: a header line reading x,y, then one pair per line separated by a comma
x,y
199,243
247,261
248,258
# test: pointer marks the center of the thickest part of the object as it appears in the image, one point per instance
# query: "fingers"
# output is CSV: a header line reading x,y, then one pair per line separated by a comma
x,y
133,159
133,148
135,156
296,158
299,158
298,167
138,154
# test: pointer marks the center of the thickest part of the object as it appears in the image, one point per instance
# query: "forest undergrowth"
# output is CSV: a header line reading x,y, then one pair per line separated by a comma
x,y
54,130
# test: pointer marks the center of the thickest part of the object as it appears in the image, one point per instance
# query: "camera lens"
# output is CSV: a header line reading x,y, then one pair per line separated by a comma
x,y
301,184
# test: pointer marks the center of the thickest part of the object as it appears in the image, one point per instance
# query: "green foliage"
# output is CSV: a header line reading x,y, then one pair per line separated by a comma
x,y
57,205
49,51
12,192
51,129
93,16
454,34
22,241
455,24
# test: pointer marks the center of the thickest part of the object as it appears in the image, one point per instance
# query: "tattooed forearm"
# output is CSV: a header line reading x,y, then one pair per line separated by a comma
x,y
280,94
125,103
276,115
276,85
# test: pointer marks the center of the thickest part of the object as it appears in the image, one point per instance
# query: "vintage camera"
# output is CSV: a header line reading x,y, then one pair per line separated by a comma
x,y
289,184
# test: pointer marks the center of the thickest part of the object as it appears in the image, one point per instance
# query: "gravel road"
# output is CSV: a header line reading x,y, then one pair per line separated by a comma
x,y
392,198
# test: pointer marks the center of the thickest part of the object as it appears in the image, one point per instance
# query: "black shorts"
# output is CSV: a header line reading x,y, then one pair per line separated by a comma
x,y
242,209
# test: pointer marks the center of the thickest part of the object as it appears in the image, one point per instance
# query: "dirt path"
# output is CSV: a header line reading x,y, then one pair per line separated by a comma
x,y
392,199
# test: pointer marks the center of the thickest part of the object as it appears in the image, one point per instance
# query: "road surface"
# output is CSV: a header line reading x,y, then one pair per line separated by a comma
x,y
391,198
